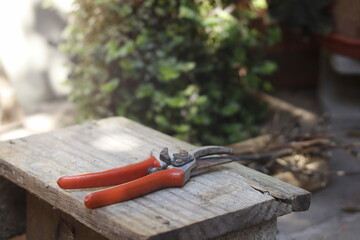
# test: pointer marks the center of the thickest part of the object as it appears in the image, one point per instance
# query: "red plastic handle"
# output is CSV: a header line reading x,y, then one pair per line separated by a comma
x,y
109,177
166,178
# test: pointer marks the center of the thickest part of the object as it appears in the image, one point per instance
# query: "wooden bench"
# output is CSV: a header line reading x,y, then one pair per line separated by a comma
x,y
229,202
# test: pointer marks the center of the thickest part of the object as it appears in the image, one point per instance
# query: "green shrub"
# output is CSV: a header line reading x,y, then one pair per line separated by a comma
x,y
183,67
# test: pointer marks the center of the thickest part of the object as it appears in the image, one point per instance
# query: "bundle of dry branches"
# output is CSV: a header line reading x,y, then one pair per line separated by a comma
x,y
301,160
296,148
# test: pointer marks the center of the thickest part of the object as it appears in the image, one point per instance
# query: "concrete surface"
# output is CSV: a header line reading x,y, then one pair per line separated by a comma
x,y
339,96
325,218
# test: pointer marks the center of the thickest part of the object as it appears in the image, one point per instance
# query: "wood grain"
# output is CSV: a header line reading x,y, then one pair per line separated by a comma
x,y
210,205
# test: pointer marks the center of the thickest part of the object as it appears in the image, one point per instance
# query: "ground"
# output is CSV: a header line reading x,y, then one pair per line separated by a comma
x,y
327,218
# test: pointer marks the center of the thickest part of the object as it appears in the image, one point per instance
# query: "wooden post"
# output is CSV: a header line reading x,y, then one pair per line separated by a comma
x,y
12,209
44,222
264,231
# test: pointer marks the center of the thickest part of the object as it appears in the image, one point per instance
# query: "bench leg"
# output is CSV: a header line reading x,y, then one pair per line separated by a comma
x,y
12,209
264,231
45,223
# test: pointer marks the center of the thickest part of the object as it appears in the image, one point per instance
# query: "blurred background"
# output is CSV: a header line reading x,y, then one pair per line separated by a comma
x,y
32,68
242,68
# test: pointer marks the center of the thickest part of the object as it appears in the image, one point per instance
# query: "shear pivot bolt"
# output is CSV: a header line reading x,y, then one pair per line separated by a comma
x,y
178,161
183,153
153,170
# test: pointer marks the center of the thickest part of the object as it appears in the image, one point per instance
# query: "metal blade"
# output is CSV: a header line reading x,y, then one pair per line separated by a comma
x,y
209,150
204,163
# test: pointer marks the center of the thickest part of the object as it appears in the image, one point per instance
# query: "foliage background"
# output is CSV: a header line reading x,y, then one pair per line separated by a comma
x,y
184,67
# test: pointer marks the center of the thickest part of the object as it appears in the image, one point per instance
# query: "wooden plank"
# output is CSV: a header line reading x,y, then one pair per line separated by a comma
x,y
210,205
298,198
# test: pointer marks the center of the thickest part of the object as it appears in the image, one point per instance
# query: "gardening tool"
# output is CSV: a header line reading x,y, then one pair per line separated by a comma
x,y
169,169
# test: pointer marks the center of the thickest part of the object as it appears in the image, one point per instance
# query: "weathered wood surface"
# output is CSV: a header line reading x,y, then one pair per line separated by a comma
x,y
210,205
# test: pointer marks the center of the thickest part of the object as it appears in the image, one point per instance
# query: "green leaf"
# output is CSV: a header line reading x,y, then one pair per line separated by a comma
x,y
202,100
171,69
112,50
267,86
182,128
110,86
273,35
141,39
233,128
176,102
185,67
268,67
191,89
144,90
161,121
186,12
259,4
125,11
230,109
168,73
159,102
253,80
160,11
127,64
126,49
121,111
202,120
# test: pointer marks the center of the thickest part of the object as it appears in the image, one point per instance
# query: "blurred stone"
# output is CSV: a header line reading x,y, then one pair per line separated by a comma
x,y
29,49
10,110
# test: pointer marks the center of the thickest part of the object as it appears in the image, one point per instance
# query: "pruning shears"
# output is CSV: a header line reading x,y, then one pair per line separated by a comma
x,y
168,169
